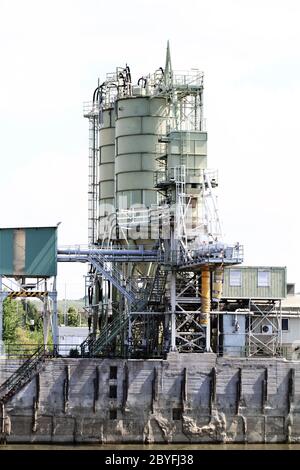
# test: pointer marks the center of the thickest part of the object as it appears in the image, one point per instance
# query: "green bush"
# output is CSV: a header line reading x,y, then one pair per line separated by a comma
x,y
74,352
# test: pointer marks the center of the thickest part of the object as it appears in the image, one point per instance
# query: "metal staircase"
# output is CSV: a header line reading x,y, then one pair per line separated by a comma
x,y
158,286
152,294
128,288
86,345
92,347
23,375
108,334
109,271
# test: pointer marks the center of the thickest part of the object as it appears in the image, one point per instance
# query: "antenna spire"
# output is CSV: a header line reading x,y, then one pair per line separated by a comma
x,y
168,67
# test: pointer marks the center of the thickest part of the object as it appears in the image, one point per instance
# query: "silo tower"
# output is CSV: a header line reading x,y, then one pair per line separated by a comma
x,y
155,238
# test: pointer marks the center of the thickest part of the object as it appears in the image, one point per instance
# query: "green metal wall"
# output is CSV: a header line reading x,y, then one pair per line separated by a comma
x,y
30,252
249,288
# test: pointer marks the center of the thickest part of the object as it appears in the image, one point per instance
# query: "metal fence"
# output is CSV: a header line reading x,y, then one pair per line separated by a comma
x,y
24,351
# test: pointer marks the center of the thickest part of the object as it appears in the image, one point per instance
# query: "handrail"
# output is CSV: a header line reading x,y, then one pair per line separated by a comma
x,y
22,375
109,332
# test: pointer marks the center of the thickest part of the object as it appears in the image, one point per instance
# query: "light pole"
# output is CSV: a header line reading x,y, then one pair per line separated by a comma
x,y
65,307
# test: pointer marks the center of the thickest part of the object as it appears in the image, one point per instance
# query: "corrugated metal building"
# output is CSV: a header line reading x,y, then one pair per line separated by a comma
x,y
28,251
254,282
70,337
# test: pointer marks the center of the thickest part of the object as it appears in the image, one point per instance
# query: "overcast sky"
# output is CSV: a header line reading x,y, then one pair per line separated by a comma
x,y
52,52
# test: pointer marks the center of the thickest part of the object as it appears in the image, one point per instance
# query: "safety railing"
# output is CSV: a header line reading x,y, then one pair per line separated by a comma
x,y
181,174
79,249
188,77
22,375
109,333
250,350
25,351
210,252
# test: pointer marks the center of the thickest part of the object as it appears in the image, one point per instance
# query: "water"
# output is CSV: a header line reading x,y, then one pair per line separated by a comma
x,y
140,447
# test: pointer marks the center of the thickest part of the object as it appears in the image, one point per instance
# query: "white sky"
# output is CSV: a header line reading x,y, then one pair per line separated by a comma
x,y
52,52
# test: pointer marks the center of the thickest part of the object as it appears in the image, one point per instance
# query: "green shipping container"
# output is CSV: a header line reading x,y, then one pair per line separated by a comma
x,y
29,252
254,282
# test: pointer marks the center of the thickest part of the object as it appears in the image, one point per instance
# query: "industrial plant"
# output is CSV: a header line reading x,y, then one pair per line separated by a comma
x,y
185,343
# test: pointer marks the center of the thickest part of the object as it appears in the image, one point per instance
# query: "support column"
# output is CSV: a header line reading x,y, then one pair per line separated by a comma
x,y
1,317
217,286
45,315
98,292
205,304
129,338
173,310
207,336
54,317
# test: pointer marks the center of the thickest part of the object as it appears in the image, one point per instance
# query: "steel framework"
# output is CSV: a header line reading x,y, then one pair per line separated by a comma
x,y
29,288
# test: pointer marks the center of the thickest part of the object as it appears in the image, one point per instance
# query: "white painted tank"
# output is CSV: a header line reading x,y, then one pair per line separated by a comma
x,y
139,122
106,166
189,149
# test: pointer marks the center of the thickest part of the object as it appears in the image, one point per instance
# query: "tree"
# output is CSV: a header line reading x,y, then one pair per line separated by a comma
x,y
12,314
16,327
73,317
32,313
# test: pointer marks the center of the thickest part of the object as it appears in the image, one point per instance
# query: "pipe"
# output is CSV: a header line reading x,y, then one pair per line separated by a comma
x,y
144,80
90,295
217,286
205,296
97,91
128,74
119,259
211,248
123,78
107,252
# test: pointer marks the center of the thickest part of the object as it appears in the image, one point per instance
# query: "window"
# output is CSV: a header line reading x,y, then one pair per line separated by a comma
x,y
290,289
176,414
285,324
113,391
263,278
113,370
112,414
235,277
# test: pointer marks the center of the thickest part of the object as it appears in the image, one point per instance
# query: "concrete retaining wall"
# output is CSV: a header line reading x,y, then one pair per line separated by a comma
x,y
188,398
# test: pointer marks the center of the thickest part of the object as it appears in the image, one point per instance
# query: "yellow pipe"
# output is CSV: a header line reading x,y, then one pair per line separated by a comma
x,y
218,284
205,296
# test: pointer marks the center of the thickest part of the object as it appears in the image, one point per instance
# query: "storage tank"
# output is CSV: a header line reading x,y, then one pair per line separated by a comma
x,y
187,159
139,122
188,148
106,170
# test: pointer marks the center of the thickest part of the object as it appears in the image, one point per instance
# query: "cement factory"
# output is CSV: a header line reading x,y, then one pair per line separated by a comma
x,y
153,215
185,343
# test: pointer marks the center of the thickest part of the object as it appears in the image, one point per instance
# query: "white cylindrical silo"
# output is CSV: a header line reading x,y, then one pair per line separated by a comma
x,y
106,169
139,122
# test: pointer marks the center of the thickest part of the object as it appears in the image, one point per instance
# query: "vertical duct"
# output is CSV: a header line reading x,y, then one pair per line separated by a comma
x,y
19,242
217,286
205,296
